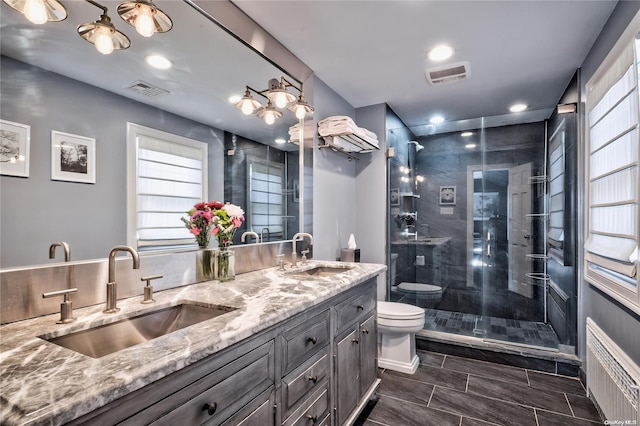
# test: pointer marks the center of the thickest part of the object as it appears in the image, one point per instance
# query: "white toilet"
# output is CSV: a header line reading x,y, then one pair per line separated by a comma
x,y
397,325
424,295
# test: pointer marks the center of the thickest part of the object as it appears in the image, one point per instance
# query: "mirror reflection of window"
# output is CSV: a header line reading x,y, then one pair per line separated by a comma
x,y
169,175
266,208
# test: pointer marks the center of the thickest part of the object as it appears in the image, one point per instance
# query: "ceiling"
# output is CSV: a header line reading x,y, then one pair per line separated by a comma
x,y
373,52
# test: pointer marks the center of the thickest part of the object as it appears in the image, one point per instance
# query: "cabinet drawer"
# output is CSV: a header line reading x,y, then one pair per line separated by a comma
x,y
299,384
313,411
354,307
259,412
303,340
217,396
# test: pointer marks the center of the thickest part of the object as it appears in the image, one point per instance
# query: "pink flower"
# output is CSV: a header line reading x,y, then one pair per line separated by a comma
x,y
195,231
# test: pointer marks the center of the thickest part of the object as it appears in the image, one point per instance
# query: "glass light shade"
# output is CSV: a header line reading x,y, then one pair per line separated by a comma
x,y
247,104
269,114
300,108
280,97
145,17
39,11
98,32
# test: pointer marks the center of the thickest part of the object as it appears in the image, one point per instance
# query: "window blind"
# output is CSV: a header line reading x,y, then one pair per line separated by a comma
x,y
612,186
170,180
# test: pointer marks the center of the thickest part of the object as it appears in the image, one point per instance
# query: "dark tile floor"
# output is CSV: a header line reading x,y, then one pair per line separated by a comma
x,y
448,390
530,333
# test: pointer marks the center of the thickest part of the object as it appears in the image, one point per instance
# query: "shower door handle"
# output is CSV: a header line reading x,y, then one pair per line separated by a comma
x,y
488,250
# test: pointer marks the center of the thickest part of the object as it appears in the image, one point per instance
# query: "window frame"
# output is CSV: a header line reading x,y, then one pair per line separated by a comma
x,y
133,133
616,288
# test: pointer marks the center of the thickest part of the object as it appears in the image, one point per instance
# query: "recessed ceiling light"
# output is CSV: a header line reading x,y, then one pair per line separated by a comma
x,y
158,61
470,145
517,107
466,134
280,141
436,119
440,53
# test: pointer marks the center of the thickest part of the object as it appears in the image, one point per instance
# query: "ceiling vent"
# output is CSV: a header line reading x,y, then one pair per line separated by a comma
x,y
448,73
146,89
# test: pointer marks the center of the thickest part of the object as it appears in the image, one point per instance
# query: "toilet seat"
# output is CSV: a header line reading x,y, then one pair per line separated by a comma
x,y
419,288
399,311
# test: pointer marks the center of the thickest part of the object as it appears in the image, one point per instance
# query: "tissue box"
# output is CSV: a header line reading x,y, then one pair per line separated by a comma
x,y
350,255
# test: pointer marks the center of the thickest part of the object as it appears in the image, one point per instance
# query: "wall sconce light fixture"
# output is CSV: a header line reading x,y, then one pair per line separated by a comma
x,y
39,11
277,94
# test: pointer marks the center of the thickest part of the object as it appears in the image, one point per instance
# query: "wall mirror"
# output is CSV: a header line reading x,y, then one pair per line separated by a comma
x,y
54,81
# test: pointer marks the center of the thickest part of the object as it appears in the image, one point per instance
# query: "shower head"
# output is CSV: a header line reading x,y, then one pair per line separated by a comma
x,y
418,146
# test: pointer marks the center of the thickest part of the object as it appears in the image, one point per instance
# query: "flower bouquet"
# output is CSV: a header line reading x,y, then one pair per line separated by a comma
x,y
221,220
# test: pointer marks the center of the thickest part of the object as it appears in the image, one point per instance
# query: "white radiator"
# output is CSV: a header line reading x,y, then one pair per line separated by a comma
x,y
612,378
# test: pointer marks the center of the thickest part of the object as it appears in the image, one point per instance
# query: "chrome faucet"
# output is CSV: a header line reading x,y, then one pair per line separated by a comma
x,y
250,233
262,234
294,251
112,286
65,248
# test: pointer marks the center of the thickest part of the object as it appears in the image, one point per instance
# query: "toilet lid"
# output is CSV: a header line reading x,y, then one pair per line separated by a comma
x,y
395,310
420,288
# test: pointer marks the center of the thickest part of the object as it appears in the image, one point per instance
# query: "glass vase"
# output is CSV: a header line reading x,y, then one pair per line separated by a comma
x,y
225,264
206,263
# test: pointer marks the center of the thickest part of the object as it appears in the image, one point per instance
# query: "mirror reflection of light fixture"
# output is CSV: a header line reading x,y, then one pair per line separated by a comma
x,y
102,34
277,94
145,17
269,114
39,11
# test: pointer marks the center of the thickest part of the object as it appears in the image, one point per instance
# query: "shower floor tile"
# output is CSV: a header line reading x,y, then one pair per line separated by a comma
x,y
531,333
493,394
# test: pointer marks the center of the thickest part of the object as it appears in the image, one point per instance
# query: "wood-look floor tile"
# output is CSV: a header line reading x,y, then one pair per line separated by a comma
x,y
390,411
431,359
555,383
583,407
546,418
405,388
519,393
436,376
486,369
479,407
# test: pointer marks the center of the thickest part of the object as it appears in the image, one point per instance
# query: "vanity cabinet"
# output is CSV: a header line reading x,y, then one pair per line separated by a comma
x,y
355,353
315,368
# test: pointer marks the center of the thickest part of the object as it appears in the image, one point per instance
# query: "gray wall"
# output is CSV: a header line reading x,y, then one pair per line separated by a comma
x,y
334,183
622,325
37,211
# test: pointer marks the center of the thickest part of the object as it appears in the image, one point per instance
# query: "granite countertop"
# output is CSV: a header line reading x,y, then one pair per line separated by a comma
x,y
43,383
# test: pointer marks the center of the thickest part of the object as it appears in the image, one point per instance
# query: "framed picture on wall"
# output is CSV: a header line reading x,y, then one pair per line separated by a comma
x,y
15,141
73,158
394,197
447,195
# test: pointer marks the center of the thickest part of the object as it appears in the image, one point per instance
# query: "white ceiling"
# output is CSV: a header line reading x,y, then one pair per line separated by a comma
x,y
372,52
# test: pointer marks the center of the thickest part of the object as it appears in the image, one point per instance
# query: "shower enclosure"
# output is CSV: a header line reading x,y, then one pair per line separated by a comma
x,y
468,220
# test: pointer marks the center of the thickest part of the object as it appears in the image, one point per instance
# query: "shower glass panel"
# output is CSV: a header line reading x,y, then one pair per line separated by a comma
x,y
467,230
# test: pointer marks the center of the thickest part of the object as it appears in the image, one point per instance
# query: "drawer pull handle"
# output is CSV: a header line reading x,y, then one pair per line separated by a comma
x,y
313,340
312,418
360,307
211,408
313,379
356,341
365,331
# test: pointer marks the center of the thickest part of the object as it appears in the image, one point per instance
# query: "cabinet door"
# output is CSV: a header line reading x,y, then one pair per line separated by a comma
x,y
368,353
259,412
347,374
